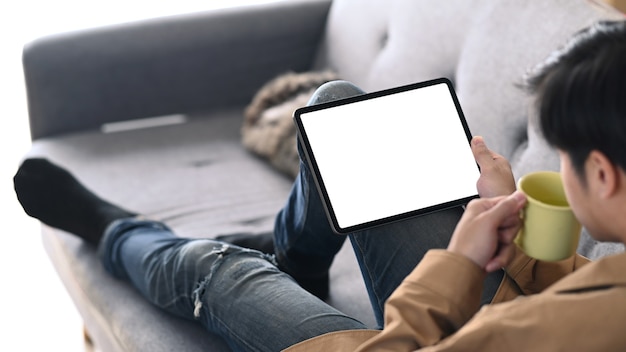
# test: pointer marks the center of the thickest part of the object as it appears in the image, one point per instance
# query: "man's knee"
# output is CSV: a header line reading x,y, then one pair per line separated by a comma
x,y
234,269
334,90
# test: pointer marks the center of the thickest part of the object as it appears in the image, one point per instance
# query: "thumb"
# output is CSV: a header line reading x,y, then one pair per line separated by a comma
x,y
482,154
509,205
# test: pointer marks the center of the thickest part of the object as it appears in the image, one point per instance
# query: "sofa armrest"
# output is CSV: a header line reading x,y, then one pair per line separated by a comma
x,y
210,60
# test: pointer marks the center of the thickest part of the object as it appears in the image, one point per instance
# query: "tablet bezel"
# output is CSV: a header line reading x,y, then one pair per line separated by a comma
x,y
319,181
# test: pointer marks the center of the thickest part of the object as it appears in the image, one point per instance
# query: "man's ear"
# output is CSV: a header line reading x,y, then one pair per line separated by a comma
x,y
602,174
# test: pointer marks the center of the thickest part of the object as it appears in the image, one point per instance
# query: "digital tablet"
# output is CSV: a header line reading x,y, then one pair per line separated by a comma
x,y
389,155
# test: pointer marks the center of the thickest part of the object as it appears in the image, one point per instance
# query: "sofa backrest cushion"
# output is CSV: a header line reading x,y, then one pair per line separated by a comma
x,y
485,47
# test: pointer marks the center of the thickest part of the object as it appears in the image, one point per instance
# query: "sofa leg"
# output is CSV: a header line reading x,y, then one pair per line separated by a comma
x,y
89,345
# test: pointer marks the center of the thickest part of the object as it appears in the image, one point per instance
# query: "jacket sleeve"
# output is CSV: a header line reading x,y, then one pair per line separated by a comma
x,y
550,321
436,308
434,301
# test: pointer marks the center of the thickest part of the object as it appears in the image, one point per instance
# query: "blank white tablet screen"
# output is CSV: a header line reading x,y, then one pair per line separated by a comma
x,y
392,154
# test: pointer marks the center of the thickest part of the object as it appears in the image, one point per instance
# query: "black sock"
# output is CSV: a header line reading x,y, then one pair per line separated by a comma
x,y
51,194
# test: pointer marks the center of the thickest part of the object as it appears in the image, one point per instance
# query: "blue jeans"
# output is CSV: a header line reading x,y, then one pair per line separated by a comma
x,y
241,295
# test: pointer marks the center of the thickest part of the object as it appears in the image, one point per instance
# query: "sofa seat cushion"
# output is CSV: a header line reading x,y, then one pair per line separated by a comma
x,y
195,175
198,179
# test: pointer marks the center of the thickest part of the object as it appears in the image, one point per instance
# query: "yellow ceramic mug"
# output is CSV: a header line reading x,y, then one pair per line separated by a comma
x,y
550,230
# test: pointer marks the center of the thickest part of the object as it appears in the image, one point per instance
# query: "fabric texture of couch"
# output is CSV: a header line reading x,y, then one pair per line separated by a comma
x,y
204,68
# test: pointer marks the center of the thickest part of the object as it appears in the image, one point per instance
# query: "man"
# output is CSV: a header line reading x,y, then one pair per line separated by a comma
x,y
248,299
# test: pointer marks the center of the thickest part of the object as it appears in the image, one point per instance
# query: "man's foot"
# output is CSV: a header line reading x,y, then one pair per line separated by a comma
x,y
316,285
51,194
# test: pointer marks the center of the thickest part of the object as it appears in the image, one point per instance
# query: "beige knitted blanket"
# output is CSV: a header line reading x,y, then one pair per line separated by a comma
x,y
268,129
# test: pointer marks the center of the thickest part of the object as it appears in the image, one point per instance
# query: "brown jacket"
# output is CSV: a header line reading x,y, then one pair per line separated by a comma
x,y
436,308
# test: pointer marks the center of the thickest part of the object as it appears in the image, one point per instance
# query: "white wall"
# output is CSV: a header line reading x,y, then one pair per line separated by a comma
x,y
35,311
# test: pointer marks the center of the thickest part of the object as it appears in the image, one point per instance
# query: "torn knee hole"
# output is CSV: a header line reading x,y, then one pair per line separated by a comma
x,y
198,294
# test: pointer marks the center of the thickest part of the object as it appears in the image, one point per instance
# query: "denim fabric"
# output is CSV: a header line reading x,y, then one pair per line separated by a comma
x,y
241,295
306,245
235,292
387,254
304,241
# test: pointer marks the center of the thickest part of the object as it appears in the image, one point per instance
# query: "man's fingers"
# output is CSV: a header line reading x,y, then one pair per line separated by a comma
x,y
508,206
513,221
502,258
486,230
504,206
480,205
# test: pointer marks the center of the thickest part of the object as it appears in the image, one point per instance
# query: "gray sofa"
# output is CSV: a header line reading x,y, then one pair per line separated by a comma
x,y
191,170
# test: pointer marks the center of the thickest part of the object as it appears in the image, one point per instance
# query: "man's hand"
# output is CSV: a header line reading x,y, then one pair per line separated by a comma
x,y
496,177
487,229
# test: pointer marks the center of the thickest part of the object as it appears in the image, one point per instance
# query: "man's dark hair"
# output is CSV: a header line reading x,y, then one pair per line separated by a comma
x,y
581,94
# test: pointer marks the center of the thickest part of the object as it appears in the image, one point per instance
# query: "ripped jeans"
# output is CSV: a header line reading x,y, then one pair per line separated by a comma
x,y
241,295
234,292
